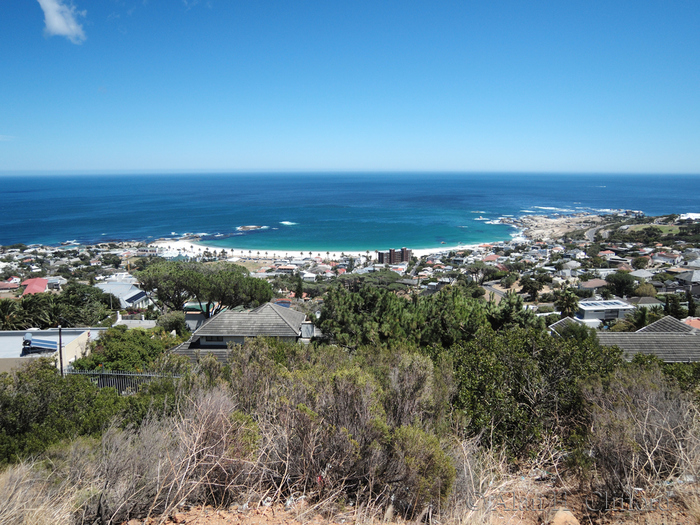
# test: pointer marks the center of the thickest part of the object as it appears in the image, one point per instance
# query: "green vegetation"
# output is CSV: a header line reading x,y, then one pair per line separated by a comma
x,y
77,305
378,316
39,408
406,394
129,350
650,230
214,286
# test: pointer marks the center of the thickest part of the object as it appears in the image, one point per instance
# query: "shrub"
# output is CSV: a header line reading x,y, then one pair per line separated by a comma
x,y
173,321
202,456
39,408
419,471
131,350
642,429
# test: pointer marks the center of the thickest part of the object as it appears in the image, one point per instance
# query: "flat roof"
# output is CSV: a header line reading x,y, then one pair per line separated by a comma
x,y
11,340
604,305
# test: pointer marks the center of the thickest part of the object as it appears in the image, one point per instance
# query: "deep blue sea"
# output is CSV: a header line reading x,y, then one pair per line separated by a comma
x,y
334,211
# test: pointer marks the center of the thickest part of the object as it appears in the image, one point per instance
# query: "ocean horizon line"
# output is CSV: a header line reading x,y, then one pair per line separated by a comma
x,y
329,171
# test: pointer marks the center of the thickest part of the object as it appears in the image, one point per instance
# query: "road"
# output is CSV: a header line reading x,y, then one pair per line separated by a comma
x,y
497,294
590,234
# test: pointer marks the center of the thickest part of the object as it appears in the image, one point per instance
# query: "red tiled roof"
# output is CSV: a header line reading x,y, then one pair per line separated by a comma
x,y
693,321
36,285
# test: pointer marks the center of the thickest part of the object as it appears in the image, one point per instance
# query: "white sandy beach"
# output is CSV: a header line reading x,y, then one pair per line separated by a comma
x,y
188,247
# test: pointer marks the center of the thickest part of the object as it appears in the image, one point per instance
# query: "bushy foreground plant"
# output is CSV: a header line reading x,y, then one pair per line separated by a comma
x,y
132,350
644,429
38,408
399,427
520,385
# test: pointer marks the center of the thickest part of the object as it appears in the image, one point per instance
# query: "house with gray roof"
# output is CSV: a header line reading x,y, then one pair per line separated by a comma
x,y
234,327
645,302
129,295
667,325
668,339
642,274
692,277
669,347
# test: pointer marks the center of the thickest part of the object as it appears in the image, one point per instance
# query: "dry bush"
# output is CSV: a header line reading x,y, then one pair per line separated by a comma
x,y
481,475
643,430
410,390
202,455
324,437
328,439
30,496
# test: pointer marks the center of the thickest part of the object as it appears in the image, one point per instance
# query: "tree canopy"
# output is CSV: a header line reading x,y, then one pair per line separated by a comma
x,y
379,316
77,305
621,283
213,286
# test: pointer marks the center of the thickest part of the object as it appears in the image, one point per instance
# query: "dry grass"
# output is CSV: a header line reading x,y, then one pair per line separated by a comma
x,y
30,496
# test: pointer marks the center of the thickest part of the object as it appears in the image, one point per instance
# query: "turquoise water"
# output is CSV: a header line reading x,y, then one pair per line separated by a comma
x,y
318,212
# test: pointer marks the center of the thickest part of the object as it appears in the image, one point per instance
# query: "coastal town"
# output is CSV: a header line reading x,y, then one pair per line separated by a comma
x,y
349,263
619,288
567,251
604,260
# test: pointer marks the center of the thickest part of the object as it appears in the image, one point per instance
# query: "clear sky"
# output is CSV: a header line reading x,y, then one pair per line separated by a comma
x,y
581,86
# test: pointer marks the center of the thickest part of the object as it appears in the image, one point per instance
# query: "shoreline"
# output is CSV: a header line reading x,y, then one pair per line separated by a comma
x,y
526,228
529,228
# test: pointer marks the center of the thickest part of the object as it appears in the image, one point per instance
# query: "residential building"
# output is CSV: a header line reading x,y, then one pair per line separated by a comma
x,y
234,327
594,312
394,256
19,346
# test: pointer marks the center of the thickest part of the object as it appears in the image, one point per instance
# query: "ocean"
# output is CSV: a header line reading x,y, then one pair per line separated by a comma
x,y
316,211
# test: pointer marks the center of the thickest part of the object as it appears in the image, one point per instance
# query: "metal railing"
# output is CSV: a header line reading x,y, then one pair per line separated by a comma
x,y
125,383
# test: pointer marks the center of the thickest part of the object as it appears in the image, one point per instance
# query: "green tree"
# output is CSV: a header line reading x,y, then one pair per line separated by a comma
x,y
169,282
567,303
214,286
674,308
621,283
639,263
510,312
645,290
173,321
691,303
531,287
12,316
298,287
112,260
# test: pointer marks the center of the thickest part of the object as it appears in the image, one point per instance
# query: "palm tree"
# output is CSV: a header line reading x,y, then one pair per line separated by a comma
x,y
567,302
12,316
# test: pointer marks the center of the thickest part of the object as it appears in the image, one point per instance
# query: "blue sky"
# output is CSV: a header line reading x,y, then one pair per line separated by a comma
x,y
111,85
